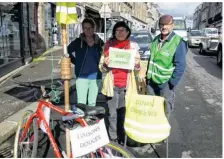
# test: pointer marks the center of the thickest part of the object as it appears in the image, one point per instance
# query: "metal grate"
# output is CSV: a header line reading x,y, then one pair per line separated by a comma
x,y
6,152
140,52
213,44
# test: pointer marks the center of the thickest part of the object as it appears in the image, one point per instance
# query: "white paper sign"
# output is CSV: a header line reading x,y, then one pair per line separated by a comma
x,y
46,112
120,58
88,139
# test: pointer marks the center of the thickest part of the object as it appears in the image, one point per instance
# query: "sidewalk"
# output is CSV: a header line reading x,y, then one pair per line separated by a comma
x,y
16,99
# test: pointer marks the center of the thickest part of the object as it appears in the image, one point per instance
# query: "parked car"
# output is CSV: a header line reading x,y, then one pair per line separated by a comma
x,y
194,38
144,40
219,51
209,41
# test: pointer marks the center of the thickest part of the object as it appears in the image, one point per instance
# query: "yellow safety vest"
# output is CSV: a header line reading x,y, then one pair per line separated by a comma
x,y
66,12
145,119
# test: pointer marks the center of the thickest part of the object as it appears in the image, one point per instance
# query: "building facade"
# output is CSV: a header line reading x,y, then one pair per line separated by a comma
x,y
153,14
14,46
28,29
24,33
208,14
140,16
197,17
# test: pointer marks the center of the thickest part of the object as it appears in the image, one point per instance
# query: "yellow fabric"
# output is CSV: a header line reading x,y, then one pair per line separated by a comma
x,y
145,119
66,12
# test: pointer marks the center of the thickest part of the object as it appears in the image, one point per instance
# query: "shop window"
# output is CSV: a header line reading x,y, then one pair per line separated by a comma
x,y
9,33
48,16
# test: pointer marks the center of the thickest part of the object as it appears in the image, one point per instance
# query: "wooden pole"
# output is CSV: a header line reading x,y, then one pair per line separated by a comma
x,y
66,76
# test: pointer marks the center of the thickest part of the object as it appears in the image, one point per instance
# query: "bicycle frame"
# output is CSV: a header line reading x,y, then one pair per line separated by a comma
x,y
40,116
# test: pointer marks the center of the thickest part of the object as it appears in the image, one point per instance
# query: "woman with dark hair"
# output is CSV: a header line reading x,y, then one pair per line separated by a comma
x,y
85,53
116,81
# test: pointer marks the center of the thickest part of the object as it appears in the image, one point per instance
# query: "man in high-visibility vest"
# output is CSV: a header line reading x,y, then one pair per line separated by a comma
x,y
167,62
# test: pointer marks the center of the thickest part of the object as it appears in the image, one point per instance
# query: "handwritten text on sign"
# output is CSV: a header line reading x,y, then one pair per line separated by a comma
x,y
120,58
88,139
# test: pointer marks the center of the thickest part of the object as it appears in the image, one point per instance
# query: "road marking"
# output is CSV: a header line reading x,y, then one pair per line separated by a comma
x,y
189,89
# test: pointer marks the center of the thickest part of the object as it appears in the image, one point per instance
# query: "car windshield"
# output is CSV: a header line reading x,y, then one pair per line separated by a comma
x,y
212,31
195,33
141,38
179,25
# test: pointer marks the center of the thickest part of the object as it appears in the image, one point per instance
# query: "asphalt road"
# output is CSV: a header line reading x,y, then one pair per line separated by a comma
x,y
196,120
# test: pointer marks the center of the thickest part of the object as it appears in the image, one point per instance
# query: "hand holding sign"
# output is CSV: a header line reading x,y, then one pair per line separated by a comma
x,y
137,59
106,61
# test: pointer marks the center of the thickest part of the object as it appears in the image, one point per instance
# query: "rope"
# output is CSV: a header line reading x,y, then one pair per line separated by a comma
x,y
54,92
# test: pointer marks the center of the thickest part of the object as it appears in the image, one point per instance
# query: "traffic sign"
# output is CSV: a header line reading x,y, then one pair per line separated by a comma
x,y
105,11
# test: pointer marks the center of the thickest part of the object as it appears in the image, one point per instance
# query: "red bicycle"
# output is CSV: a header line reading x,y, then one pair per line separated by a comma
x,y
26,140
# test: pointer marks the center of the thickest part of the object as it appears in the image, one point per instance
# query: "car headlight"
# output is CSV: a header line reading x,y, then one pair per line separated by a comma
x,y
147,53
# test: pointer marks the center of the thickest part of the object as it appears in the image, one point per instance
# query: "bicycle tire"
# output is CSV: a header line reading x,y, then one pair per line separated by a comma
x,y
121,149
35,133
114,146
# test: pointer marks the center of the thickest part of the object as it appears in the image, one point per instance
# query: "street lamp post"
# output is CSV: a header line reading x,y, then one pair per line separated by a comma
x,y
105,23
105,12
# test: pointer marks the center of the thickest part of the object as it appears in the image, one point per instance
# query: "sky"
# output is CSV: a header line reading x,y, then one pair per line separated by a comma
x,y
178,8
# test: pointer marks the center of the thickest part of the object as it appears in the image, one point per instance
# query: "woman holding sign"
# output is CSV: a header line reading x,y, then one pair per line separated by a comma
x,y
88,49
119,56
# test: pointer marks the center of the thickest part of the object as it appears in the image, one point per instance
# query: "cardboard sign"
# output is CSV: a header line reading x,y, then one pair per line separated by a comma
x,y
88,139
46,112
120,58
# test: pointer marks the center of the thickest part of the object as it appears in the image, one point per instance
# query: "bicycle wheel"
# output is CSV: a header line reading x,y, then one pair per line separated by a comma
x,y
27,148
111,150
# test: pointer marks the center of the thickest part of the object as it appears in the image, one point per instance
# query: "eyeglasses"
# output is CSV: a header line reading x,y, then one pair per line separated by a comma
x,y
164,24
89,28
120,30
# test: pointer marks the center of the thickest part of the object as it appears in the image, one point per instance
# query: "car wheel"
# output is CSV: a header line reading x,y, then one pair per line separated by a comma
x,y
201,51
219,57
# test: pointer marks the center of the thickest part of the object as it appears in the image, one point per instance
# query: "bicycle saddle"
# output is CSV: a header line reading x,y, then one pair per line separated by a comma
x,y
89,110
